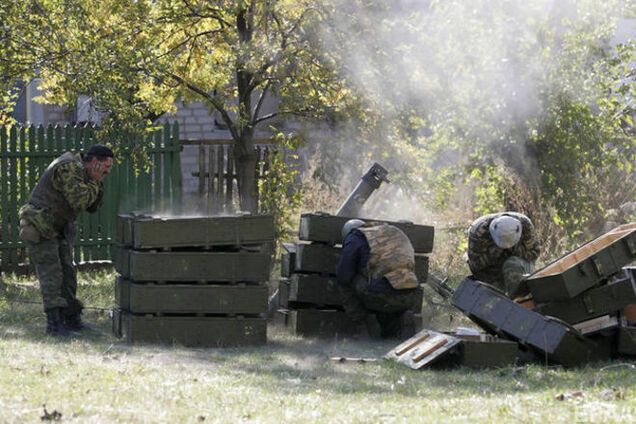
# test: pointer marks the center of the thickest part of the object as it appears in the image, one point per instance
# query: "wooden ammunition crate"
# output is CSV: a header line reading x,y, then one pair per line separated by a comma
x,y
157,232
585,267
592,303
627,340
190,331
430,347
288,260
491,353
318,323
323,259
154,298
192,266
328,228
311,289
497,314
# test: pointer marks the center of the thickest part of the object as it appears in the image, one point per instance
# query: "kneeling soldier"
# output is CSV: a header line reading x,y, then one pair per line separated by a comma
x,y
502,247
376,280
69,185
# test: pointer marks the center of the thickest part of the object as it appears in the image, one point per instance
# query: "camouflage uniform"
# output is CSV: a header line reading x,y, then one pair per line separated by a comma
x,y
47,225
503,268
384,282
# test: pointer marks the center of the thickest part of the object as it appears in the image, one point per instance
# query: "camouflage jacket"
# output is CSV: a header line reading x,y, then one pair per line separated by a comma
x,y
486,258
392,256
63,191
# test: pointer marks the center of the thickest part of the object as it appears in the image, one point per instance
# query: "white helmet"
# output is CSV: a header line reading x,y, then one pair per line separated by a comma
x,y
350,225
505,231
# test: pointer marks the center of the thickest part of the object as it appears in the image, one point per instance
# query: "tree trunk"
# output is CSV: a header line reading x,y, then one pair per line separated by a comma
x,y
246,172
246,156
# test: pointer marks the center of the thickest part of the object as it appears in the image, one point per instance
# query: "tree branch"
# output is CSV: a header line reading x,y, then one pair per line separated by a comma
x,y
214,101
259,103
266,117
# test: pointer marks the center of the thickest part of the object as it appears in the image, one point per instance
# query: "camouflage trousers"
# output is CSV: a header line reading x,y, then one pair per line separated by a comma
x,y
358,302
54,267
510,279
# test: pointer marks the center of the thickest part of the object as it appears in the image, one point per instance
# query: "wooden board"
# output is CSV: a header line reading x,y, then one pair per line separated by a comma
x,y
422,349
192,266
585,267
318,323
327,229
191,298
499,315
190,331
153,232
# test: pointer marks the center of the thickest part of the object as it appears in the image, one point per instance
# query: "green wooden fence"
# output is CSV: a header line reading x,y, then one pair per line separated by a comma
x,y
26,151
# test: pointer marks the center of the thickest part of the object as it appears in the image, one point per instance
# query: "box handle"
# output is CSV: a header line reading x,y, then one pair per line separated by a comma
x,y
598,266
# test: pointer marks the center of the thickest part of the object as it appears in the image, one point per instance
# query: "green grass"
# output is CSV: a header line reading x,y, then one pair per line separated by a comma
x,y
97,378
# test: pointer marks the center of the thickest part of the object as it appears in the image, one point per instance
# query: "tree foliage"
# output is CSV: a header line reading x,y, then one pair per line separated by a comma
x,y
137,59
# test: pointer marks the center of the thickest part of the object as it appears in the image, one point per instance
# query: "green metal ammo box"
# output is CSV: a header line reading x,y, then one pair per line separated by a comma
x,y
585,267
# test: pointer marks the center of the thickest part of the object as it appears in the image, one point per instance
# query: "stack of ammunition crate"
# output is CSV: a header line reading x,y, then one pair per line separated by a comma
x,y
193,281
592,289
308,294
580,305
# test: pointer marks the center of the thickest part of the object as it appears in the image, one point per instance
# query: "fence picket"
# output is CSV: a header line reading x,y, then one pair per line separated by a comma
x,y
26,152
13,191
5,238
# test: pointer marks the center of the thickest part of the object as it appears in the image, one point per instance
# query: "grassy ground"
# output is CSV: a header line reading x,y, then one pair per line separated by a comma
x,y
97,378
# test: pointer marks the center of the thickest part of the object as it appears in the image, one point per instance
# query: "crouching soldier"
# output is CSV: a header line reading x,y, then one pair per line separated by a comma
x,y
69,185
502,247
376,280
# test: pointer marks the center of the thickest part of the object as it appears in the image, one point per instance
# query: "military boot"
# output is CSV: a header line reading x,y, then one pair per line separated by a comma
x,y
373,327
74,322
54,323
72,316
407,325
368,328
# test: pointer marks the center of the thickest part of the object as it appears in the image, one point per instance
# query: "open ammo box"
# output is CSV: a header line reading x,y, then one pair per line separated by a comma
x,y
586,267
432,348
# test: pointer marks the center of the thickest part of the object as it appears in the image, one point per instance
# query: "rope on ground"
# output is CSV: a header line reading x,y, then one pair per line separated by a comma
x,y
35,302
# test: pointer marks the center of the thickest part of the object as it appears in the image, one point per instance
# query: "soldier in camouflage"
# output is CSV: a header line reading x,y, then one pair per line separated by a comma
x,y
376,280
70,184
502,247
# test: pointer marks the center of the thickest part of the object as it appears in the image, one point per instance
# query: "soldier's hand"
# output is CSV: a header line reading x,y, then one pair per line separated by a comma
x,y
98,170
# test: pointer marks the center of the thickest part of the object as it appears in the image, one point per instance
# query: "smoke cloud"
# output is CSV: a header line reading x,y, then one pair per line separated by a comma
x,y
442,72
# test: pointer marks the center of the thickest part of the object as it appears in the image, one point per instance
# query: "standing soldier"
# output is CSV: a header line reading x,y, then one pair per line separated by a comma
x,y
376,280
502,247
72,183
